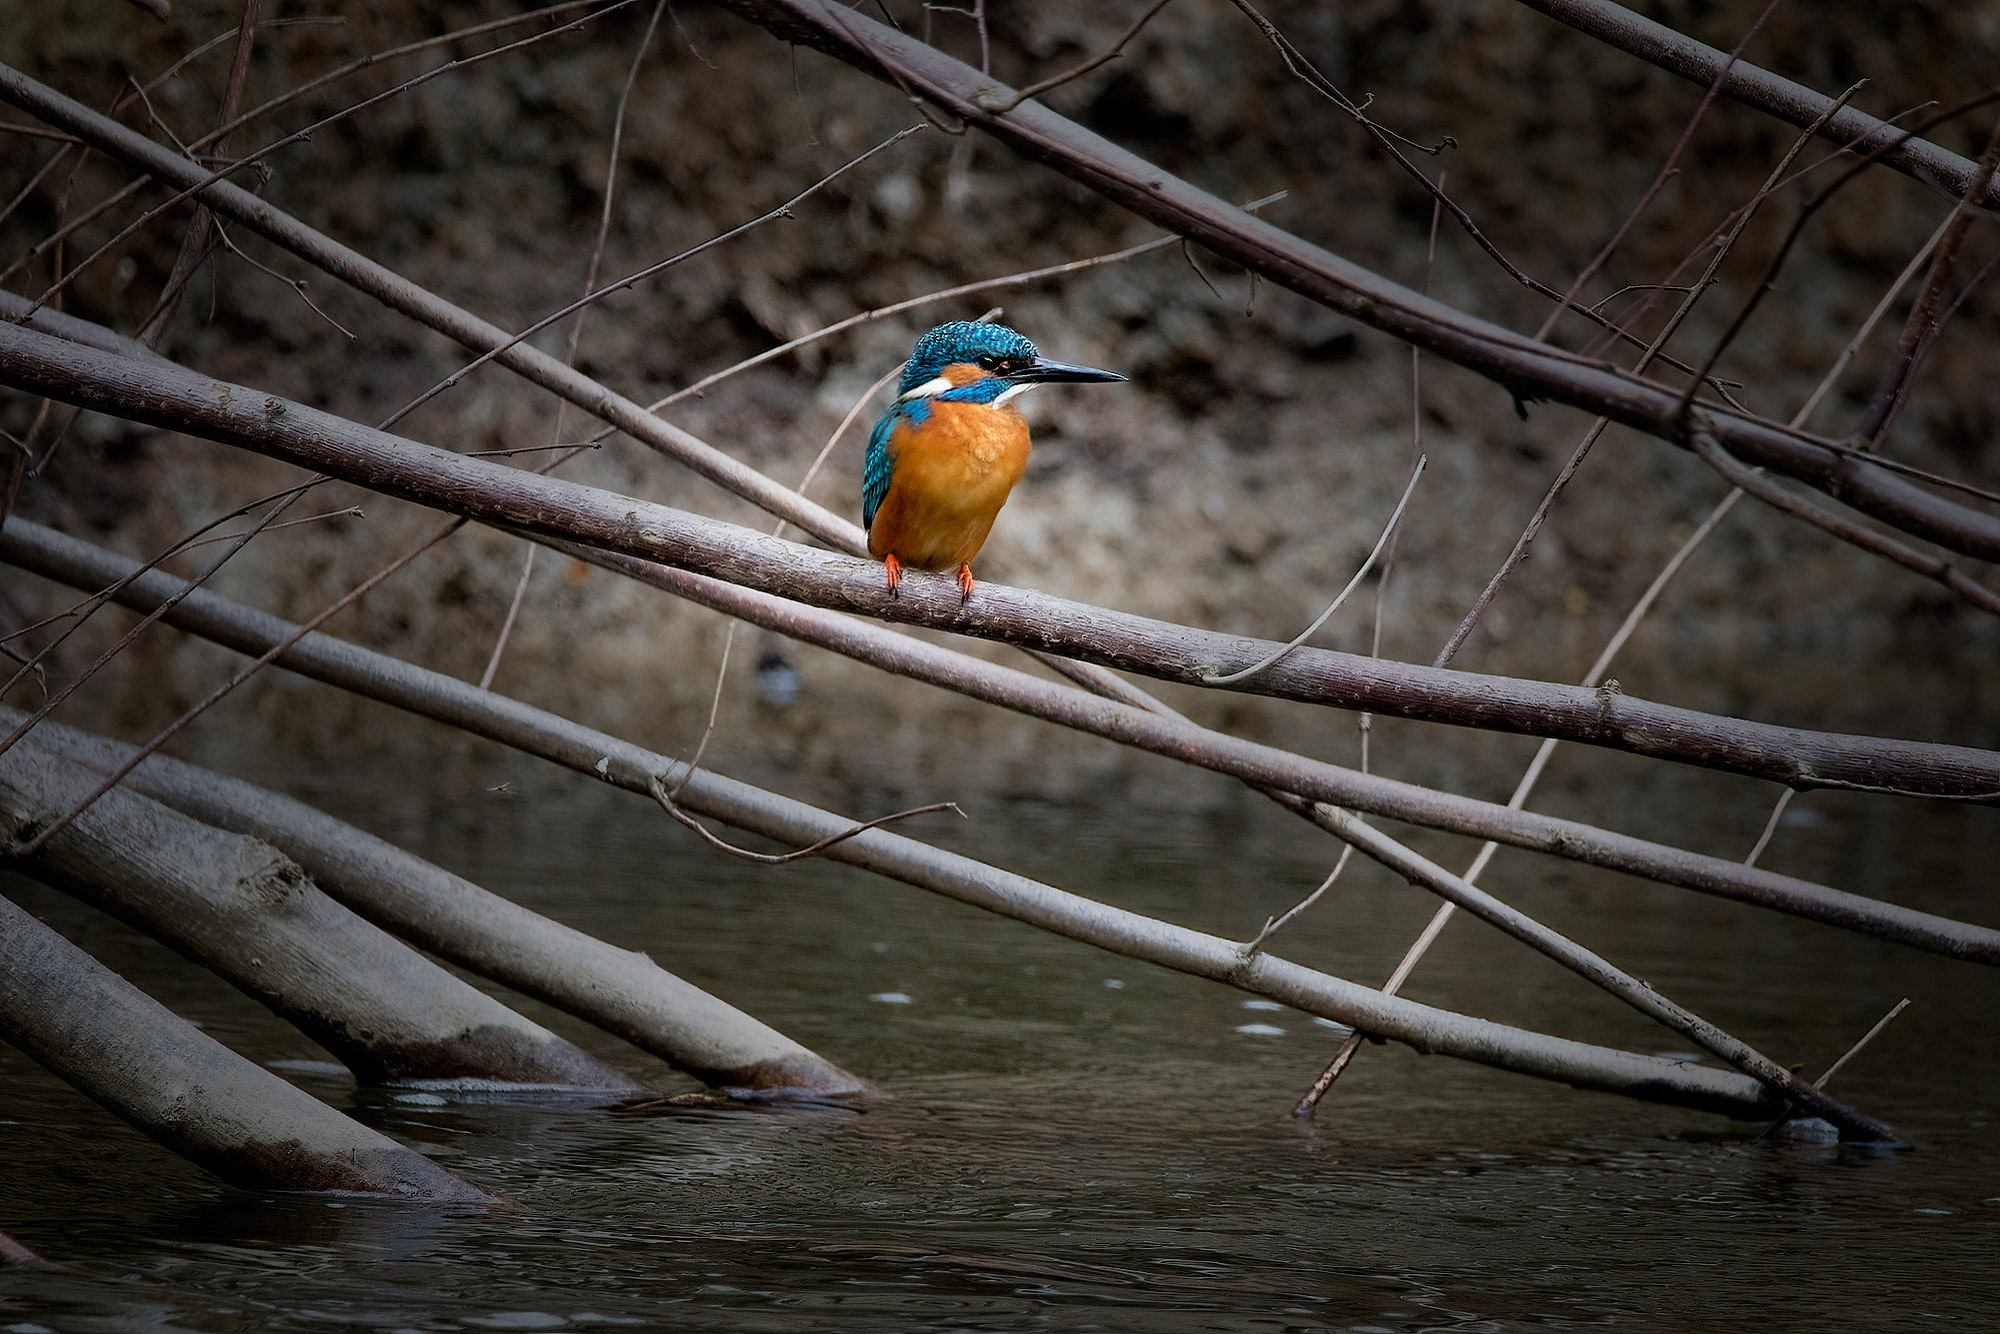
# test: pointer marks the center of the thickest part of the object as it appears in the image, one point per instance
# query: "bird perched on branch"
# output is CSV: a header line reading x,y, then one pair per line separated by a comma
x,y
947,452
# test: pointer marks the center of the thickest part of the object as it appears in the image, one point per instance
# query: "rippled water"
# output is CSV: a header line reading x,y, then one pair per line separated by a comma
x,y
1076,1141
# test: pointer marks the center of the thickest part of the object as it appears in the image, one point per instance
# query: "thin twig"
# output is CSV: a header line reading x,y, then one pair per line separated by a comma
x,y
1519,553
507,626
1922,324
1770,826
298,285
230,169
1667,170
930,298
1867,539
714,706
200,241
576,329
351,512
1834,1069
656,784
1387,532
1273,925
55,701
783,210
1115,50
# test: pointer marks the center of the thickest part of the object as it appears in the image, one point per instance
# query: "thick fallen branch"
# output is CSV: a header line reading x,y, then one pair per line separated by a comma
x,y
184,400
1528,369
585,751
1656,44
619,990
147,1065
239,907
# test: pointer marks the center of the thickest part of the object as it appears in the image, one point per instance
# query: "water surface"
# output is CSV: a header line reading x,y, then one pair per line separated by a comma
x,y
1073,1141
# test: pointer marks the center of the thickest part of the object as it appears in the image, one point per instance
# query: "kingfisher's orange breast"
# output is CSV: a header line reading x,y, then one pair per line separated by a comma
x,y
952,475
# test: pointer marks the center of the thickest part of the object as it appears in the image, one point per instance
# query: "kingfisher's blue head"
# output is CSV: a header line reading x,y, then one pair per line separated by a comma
x,y
962,353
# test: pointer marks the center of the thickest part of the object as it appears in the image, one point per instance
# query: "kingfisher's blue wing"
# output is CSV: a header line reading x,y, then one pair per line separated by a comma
x,y
881,465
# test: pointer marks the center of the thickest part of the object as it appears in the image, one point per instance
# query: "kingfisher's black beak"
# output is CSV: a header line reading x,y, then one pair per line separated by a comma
x,y
1042,371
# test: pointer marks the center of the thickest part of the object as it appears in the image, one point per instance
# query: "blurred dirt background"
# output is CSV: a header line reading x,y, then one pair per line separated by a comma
x,y
1236,482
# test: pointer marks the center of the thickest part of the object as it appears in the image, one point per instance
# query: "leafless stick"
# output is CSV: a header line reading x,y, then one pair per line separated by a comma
x,y
507,626
1388,531
1925,347
1519,553
296,284
1853,346
1388,140
84,608
1784,250
1770,826
160,738
714,709
1666,172
37,132
351,512
54,701
159,9
300,136
1115,50
576,329
574,446
783,210
930,298
1834,1069
1923,323
200,241
1867,539
657,785
1624,28
1863,1041
1273,925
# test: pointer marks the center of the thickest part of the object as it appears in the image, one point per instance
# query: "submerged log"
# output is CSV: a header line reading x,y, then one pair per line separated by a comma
x,y
621,991
241,908
150,1067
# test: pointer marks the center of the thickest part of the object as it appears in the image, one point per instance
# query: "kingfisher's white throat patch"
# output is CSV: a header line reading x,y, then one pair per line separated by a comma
x,y
1011,391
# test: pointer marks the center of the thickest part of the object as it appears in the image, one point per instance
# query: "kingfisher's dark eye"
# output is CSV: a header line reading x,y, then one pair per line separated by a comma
x,y
988,361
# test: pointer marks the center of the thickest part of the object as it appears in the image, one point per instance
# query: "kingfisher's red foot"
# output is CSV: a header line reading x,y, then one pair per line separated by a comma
x,y
964,583
895,572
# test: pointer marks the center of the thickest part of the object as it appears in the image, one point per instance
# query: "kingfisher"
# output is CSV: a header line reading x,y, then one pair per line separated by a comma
x,y
944,457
